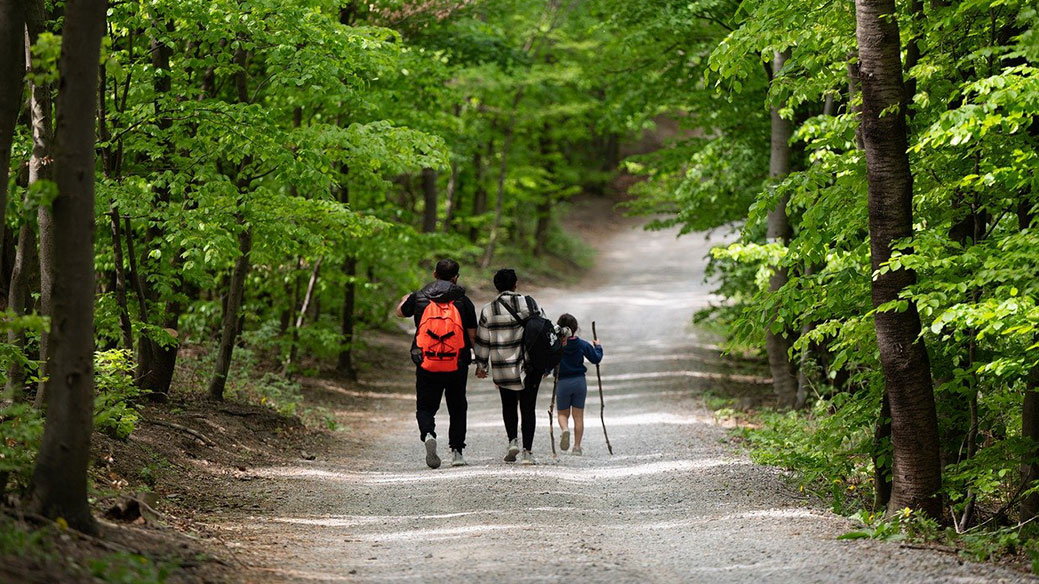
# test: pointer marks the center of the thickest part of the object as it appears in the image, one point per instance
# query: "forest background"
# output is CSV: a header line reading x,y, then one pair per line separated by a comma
x,y
271,175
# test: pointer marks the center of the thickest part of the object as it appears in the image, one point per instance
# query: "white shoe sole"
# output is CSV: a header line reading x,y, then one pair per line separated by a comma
x,y
511,455
432,460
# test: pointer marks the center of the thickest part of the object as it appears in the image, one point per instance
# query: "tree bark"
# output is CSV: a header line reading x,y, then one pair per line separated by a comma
x,y
429,195
500,200
916,468
1030,431
155,361
784,370
1030,403
232,309
479,194
60,475
294,349
20,301
120,278
450,195
41,167
345,364
12,74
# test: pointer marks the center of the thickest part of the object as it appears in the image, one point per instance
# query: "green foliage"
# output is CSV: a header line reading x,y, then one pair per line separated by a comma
x,y
830,461
127,568
18,541
21,428
115,395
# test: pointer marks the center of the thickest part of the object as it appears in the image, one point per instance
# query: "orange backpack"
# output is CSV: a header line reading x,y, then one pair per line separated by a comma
x,y
440,337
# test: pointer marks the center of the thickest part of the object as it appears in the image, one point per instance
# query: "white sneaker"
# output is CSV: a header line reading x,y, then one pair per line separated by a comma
x,y
564,440
510,454
457,459
431,452
527,458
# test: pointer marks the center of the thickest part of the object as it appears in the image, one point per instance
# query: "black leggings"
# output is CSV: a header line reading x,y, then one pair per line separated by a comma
x,y
527,401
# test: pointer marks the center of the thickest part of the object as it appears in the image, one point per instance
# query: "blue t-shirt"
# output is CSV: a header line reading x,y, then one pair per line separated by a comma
x,y
574,354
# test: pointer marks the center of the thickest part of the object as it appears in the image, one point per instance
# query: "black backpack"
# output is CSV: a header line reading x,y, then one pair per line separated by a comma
x,y
542,339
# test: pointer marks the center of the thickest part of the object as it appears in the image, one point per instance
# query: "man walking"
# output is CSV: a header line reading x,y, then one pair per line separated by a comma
x,y
499,346
445,321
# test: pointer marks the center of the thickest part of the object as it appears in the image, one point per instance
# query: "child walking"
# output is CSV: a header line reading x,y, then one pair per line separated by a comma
x,y
572,388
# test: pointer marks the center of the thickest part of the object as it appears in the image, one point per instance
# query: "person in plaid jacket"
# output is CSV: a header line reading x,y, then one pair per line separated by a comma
x,y
499,348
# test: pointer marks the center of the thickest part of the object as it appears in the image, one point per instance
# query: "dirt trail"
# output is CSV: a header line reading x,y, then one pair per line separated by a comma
x,y
675,503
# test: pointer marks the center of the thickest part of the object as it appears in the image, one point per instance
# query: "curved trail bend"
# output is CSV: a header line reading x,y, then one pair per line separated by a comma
x,y
674,503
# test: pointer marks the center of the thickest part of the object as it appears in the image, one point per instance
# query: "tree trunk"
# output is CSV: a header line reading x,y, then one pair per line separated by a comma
x,y
500,201
60,476
1030,404
853,92
120,278
916,469
479,194
156,362
429,195
784,371
41,167
450,195
232,309
12,74
881,455
544,215
1030,431
294,349
20,302
345,366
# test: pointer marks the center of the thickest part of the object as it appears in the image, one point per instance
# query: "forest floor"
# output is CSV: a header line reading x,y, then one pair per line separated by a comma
x,y
243,494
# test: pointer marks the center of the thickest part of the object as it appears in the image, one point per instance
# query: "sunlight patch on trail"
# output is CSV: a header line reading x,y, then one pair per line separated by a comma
x,y
502,473
693,374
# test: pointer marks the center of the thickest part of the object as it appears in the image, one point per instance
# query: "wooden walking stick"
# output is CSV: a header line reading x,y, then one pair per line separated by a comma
x,y
551,404
602,405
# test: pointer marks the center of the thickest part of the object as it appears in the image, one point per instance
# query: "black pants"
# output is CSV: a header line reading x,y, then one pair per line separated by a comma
x,y
527,401
429,388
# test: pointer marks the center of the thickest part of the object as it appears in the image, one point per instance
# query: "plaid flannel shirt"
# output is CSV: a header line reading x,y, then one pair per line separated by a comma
x,y
499,339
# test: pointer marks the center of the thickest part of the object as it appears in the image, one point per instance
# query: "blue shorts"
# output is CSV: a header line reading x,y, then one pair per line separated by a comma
x,y
571,391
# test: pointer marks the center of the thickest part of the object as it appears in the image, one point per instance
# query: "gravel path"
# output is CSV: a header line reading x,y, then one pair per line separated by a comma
x,y
675,503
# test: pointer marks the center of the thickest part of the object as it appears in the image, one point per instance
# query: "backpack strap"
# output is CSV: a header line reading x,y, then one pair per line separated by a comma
x,y
530,305
516,316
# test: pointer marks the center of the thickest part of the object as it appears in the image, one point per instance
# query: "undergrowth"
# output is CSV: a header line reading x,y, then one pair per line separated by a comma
x,y
828,449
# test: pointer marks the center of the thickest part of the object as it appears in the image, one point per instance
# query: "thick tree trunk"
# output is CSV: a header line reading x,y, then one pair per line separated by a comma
x,y
232,309
916,469
479,194
784,370
12,75
429,196
60,476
